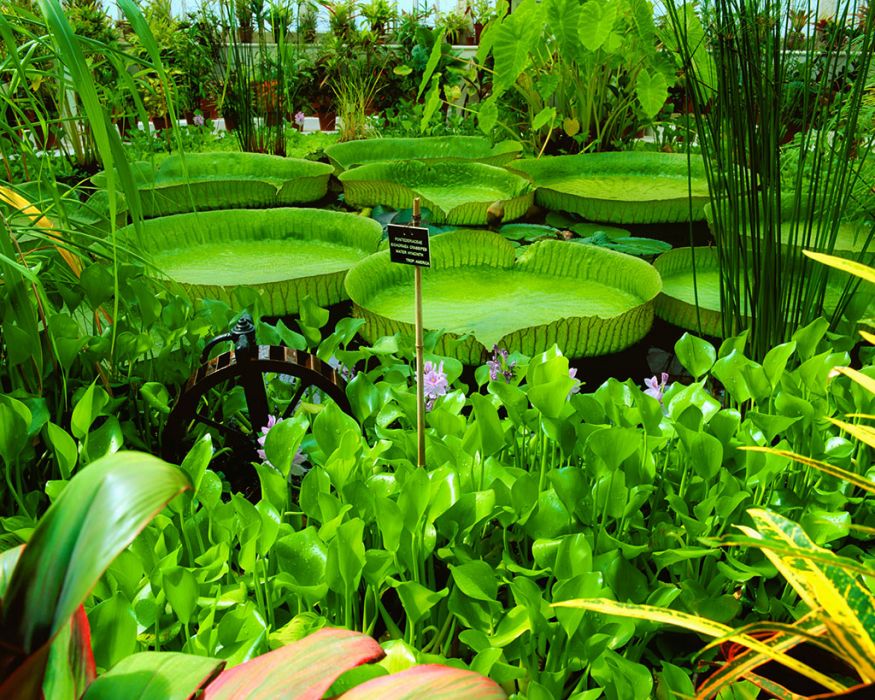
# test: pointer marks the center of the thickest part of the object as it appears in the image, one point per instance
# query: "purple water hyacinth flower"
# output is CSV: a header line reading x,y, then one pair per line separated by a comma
x,y
434,383
656,387
299,118
198,120
499,365
271,421
572,373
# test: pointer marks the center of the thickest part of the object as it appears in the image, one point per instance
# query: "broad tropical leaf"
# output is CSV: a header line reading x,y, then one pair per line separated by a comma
x,y
283,254
626,188
588,300
70,667
302,670
459,193
204,181
97,515
433,682
430,148
152,675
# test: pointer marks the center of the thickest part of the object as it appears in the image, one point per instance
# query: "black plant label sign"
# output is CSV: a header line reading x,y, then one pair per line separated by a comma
x,y
408,245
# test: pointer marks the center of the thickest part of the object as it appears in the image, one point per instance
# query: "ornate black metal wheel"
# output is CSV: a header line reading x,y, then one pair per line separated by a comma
x,y
248,366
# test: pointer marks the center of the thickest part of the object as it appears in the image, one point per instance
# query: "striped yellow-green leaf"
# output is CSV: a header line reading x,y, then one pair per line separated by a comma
x,y
587,300
455,192
848,605
429,148
15,200
864,380
864,433
852,267
832,470
626,188
282,254
868,337
699,625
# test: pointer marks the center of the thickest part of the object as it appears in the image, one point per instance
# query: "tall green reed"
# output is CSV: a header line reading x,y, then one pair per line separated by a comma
x,y
738,76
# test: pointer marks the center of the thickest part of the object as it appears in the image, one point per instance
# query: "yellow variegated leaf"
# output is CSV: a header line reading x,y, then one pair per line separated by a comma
x,y
863,380
830,469
773,688
12,198
787,638
699,625
870,337
862,432
848,607
862,416
852,268
824,556
862,528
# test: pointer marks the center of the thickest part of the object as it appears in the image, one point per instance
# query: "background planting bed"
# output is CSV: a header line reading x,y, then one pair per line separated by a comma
x,y
457,193
589,300
430,148
624,188
283,254
205,181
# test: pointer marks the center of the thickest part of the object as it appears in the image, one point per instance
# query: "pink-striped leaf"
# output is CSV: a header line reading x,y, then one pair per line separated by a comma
x,y
302,670
432,682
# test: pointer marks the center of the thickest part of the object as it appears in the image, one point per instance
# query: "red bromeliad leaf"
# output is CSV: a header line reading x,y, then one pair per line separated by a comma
x,y
432,682
70,668
303,670
97,515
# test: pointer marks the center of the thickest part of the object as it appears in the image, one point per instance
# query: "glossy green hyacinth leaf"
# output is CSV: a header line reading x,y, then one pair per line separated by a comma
x,y
677,302
624,188
588,300
430,148
457,193
206,181
283,254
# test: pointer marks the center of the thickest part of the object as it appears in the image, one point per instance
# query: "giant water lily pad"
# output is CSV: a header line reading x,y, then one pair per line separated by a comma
x,y
851,237
205,181
282,254
695,305
457,193
624,188
588,300
430,148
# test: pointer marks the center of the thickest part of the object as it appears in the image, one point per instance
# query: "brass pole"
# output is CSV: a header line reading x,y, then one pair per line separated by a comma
x,y
420,370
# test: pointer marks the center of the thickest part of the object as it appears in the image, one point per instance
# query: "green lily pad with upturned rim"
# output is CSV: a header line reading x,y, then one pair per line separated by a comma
x,y
677,303
283,254
625,187
456,192
588,300
428,148
851,237
208,181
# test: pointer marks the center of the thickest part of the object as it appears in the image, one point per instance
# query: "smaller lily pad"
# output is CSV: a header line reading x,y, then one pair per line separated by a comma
x,y
458,193
282,254
207,181
626,188
351,154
